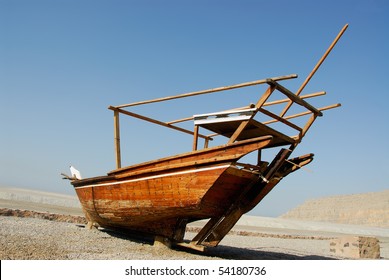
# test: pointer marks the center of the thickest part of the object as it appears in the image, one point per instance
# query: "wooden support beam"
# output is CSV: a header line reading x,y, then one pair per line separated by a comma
x,y
162,242
259,157
223,227
191,245
156,121
307,126
195,137
217,228
277,162
117,139
259,104
205,231
270,103
206,143
304,113
180,120
294,97
288,123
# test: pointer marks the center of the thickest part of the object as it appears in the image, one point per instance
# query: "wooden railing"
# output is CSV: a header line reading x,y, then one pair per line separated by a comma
x,y
119,110
250,112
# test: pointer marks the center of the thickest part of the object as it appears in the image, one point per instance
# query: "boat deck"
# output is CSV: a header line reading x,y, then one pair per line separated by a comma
x,y
253,129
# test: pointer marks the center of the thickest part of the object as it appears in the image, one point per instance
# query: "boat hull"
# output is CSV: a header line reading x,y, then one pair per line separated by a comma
x,y
160,197
158,204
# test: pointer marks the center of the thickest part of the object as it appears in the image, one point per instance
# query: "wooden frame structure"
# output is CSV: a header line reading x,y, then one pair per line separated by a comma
x,y
161,196
235,124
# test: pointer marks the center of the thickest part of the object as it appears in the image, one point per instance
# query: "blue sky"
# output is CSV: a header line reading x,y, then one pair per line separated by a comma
x,y
62,63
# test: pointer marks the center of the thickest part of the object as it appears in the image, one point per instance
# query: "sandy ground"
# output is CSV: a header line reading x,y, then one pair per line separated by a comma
x,y
46,237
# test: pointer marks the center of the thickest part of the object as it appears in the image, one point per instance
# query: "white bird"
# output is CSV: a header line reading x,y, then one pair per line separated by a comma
x,y
75,173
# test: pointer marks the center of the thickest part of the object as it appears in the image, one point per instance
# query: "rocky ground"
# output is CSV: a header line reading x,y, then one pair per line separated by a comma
x,y
34,238
29,232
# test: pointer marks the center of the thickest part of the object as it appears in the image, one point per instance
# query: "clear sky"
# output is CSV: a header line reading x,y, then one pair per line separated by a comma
x,y
62,63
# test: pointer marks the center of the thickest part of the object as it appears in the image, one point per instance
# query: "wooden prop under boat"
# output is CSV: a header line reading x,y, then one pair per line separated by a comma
x,y
161,197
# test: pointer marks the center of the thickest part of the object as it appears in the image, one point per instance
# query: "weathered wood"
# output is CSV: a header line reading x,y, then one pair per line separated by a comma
x,y
219,154
194,93
151,204
151,201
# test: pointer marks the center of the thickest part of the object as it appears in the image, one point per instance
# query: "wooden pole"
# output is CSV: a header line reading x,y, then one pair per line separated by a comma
x,y
270,103
303,113
206,143
315,68
307,126
195,137
294,98
117,138
257,82
259,104
155,121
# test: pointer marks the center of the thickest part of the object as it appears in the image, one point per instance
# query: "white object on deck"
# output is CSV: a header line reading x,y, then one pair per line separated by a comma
x,y
75,173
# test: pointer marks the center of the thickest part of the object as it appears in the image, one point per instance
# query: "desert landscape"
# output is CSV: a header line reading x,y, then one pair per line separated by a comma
x,y
41,225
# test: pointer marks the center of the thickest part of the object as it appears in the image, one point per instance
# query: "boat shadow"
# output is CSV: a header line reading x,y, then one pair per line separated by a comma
x,y
136,237
221,251
236,253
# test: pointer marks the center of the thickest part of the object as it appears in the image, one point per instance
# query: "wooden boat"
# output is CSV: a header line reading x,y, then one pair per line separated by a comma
x,y
162,196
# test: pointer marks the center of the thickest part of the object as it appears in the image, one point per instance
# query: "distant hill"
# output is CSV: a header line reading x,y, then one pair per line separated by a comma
x,y
370,209
35,196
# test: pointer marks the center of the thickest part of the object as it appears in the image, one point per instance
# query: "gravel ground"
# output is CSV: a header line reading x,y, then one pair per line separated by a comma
x,y
38,225
32,238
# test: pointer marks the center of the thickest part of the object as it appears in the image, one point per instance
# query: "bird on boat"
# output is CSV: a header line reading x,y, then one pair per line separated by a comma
x,y
75,173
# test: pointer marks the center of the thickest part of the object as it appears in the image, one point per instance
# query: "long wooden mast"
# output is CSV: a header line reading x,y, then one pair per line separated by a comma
x,y
319,63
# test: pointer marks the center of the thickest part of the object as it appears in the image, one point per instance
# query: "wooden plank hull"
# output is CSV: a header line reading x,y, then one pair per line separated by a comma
x,y
157,205
159,197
